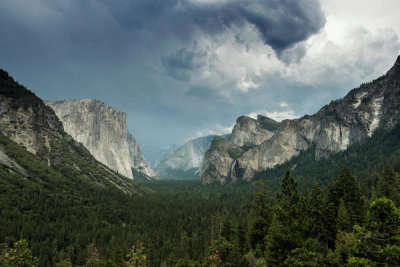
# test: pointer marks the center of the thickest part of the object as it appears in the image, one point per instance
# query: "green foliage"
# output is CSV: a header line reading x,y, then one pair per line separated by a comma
x,y
10,88
60,219
310,254
187,263
343,219
268,124
379,239
19,255
68,221
137,256
389,185
333,115
317,214
347,189
253,260
285,233
235,152
261,216
344,245
289,189
247,147
181,223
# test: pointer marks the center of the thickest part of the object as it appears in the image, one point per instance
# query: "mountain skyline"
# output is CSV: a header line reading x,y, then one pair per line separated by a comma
x,y
178,76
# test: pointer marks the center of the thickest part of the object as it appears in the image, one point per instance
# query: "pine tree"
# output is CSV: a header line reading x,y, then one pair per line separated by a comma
x,y
343,222
317,215
344,245
278,243
137,256
379,239
389,185
310,254
94,257
241,237
261,216
289,189
240,245
20,255
286,230
347,188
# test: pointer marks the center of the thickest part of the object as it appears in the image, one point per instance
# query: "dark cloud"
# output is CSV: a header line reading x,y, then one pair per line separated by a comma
x,y
281,23
181,63
293,54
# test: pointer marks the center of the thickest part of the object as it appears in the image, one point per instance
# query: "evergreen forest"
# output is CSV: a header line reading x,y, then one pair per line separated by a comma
x,y
342,211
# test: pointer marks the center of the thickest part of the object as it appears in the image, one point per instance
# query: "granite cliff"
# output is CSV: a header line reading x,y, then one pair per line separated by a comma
x,y
103,131
332,129
34,145
221,160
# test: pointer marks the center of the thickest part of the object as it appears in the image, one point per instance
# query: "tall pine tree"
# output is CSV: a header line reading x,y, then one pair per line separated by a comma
x,y
261,216
389,185
286,231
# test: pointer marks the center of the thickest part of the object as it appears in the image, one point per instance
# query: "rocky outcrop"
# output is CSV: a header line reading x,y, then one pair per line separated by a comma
x,y
186,160
27,121
103,131
11,164
221,162
337,125
218,160
248,131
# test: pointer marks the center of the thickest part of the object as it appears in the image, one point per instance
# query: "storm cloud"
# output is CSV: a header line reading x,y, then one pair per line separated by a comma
x,y
281,23
180,68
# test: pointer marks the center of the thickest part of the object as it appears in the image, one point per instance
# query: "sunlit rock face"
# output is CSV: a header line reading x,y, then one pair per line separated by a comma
x,y
332,129
221,161
248,131
103,131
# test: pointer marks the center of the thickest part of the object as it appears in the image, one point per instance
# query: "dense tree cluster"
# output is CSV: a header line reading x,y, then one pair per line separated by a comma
x,y
337,226
334,226
347,217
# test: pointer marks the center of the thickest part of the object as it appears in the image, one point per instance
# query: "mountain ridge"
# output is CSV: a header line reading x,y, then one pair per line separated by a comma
x,y
333,128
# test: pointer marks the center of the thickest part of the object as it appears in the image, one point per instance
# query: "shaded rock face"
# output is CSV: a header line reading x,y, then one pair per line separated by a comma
x,y
218,160
186,160
332,129
103,131
26,120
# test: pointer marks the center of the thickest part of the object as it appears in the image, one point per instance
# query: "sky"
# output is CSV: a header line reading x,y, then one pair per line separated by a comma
x,y
181,69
